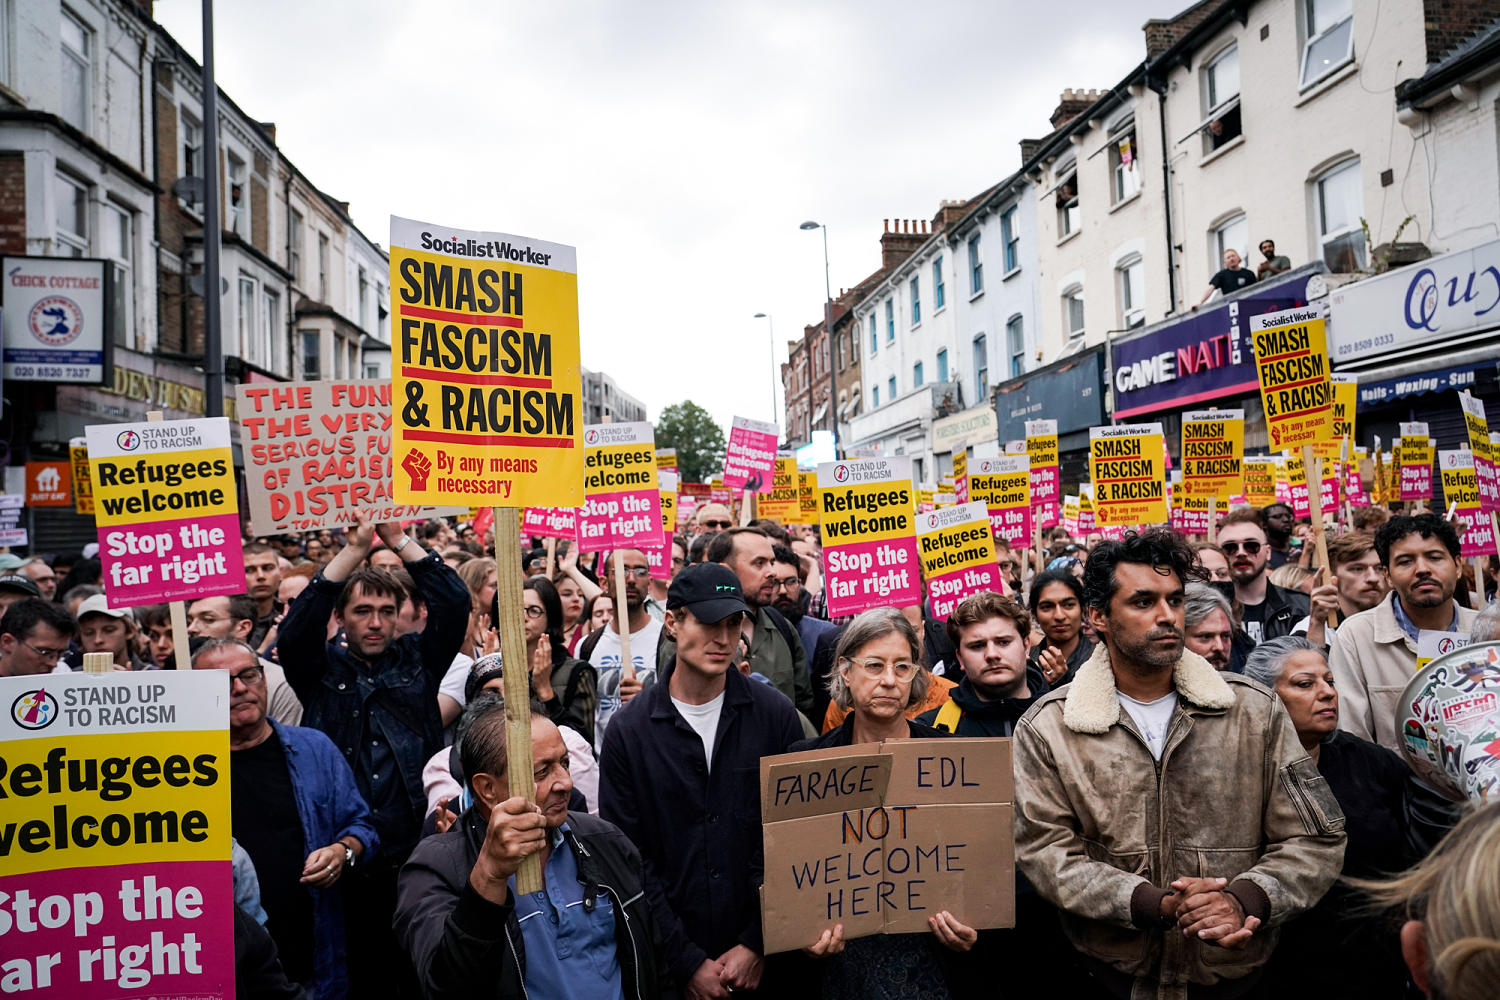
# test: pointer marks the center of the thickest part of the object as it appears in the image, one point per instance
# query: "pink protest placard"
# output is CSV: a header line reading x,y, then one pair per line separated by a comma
x,y
550,522
621,498
1046,473
1004,484
867,511
958,555
1476,530
117,882
167,510
1416,462
750,456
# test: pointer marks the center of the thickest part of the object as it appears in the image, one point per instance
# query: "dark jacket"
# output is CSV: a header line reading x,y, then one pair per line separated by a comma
x,y
329,807
347,698
1284,608
842,735
463,945
258,974
1076,659
989,718
698,828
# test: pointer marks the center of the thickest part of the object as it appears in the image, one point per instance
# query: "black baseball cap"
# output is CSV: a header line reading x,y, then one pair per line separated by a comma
x,y
709,590
19,583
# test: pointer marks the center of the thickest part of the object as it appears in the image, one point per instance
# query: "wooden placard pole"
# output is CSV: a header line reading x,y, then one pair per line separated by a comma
x,y
747,510
182,657
1313,468
551,546
1213,520
517,677
98,663
622,616
1036,553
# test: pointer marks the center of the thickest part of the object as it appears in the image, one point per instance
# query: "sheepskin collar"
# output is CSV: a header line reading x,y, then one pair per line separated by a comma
x,y
1093,706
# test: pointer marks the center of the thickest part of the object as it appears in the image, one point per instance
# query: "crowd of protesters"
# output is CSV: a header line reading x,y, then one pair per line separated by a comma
x,y
1208,797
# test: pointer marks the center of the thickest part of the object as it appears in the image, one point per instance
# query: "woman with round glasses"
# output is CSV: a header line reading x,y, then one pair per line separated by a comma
x,y
877,675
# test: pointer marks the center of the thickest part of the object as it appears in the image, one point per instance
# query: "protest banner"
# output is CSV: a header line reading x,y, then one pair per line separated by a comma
x,y
1291,364
1476,532
1213,452
543,522
1190,514
485,388
1086,519
1341,416
878,837
1416,462
1260,481
784,502
1003,483
1354,482
666,460
1070,514
1290,470
807,496
750,456
166,510
49,484
961,476
622,499
958,555
718,492
1382,493
1046,473
83,486
867,513
318,455
1127,465
115,875
1478,429
12,506
666,486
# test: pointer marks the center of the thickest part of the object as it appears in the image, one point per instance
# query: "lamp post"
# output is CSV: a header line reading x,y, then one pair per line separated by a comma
x,y
833,389
771,333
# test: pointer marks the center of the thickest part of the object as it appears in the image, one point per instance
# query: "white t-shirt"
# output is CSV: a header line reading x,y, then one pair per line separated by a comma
x,y
705,722
1152,718
606,659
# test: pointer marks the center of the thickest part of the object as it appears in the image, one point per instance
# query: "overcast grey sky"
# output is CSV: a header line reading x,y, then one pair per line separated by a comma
x,y
677,145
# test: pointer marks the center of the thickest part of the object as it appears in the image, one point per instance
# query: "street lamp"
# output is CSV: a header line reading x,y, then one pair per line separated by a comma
x,y
833,388
771,332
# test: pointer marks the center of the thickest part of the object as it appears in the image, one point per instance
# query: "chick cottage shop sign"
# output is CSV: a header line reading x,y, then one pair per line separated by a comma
x,y
56,319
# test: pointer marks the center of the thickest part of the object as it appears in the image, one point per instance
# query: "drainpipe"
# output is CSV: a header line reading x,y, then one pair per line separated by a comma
x,y
1160,86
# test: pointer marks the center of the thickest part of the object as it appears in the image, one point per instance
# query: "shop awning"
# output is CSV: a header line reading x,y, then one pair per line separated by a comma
x,y
1417,378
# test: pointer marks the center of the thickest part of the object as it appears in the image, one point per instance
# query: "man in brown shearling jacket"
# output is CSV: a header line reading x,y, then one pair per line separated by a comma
x,y
1166,808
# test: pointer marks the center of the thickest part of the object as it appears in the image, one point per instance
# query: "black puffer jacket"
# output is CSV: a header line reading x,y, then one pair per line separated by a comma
x,y
463,945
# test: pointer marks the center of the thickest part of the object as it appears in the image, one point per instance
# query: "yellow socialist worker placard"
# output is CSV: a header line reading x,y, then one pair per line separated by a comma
x,y
1213,448
485,380
1128,467
1291,361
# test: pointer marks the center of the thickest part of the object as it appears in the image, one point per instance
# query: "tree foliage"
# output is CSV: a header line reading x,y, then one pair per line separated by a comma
x,y
698,439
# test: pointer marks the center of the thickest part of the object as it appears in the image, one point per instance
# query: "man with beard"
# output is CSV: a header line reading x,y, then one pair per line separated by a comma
x,y
1279,520
1269,611
776,651
1374,653
1209,826
792,598
1358,585
602,649
990,633
1208,627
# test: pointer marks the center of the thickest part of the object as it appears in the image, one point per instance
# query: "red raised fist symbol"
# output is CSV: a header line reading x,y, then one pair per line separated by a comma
x,y
417,466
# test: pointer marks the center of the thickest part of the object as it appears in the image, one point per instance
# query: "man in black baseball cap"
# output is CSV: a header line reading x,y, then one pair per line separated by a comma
x,y
16,587
674,767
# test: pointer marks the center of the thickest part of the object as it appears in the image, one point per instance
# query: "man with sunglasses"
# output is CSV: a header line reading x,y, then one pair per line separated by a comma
x,y
680,768
284,780
712,517
34,635
1269,611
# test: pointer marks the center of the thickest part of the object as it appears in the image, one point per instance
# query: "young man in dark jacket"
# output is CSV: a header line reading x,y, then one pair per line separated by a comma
x,y
991,633
681,777
589,933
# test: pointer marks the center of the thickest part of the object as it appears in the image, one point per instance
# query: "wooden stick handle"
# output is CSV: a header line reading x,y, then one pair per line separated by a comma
x,y
1312,469
517,677
182,657
622,617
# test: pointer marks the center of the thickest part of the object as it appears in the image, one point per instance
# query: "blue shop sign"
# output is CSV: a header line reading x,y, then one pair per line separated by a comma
x,y
1391,389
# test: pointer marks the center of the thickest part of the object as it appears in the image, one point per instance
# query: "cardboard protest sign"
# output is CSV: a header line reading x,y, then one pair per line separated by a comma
x,y
1127,464
485,388
867,511
166,510
666,460
49,484
1046,473
1003,483
318,455
12,506
784,502
1476,533
961,476
116,874
1260,481
1213,450
83,486
1291,363
807,497
622,501
545,522
879,837
750,456
958,555
1416,462
1478,429
1345,401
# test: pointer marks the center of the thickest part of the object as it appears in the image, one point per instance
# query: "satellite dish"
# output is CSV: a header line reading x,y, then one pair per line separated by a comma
x,y
195,284
189,189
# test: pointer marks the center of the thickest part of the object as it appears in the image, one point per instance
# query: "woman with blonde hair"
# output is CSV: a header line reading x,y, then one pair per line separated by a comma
x,y
1451,905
